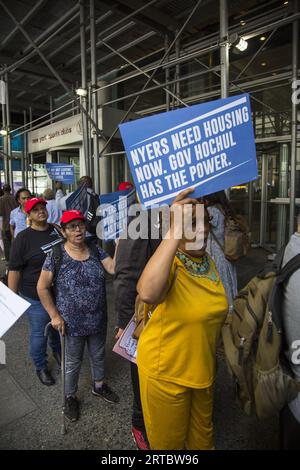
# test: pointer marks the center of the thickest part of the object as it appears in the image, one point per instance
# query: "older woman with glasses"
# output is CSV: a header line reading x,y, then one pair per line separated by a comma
x,y
79,309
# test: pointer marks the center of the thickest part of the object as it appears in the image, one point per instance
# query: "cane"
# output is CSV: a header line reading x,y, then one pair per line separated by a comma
x,y
63,373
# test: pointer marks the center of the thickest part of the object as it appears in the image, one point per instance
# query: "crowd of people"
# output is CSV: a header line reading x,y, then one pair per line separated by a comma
x,y
56,264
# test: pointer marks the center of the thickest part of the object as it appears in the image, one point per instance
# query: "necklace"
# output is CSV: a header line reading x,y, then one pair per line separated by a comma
x,y
201,268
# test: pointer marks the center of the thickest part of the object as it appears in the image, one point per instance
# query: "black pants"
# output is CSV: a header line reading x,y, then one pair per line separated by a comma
x,y
6,237
289,430
137,412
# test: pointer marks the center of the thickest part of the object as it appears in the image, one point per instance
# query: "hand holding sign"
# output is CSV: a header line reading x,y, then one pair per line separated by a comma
x,y
182,210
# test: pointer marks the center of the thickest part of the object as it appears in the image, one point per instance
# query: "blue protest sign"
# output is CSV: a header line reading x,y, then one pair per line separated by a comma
x,y
61,172
207,146
113,211
78,200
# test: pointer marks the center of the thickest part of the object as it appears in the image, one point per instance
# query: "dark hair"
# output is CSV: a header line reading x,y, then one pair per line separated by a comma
x,y
87,180
6,188
1,192
220,198
20,191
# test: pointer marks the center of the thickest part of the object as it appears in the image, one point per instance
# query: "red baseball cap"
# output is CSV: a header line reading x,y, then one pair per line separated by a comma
x,y
125,185
71,215
30,203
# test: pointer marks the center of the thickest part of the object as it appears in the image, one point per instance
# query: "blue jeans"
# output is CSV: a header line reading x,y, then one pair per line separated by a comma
x,y
74,355
38,319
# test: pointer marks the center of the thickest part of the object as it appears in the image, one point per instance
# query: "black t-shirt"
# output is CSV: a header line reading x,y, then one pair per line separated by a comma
x,y
28,253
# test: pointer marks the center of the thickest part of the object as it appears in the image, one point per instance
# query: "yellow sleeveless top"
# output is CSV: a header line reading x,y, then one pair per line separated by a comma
x,y
178,343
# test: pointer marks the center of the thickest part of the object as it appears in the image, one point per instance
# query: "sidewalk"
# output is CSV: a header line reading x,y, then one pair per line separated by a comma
x,y
30,412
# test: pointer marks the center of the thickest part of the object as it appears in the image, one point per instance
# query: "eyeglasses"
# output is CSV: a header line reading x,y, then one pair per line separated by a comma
x,y
73,226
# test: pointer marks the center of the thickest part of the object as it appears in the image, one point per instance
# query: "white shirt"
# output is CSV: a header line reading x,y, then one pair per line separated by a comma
x,y
54,213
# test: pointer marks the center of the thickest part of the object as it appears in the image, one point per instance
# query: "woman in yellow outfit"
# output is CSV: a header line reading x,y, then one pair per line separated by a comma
x,y
176,353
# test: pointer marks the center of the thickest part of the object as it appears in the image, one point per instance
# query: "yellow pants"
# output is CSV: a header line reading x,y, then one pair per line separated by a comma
x,y
176,417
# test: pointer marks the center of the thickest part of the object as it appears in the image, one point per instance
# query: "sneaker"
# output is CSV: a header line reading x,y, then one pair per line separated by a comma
x,y
71,409
105,392
140,439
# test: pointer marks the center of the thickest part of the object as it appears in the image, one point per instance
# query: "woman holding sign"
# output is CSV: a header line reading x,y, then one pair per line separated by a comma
x,y
177,349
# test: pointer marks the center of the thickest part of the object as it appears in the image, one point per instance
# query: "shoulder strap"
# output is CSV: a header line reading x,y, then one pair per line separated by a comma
x,y
272,266
276,296
57,255
289,269
277,263
217,240
92,245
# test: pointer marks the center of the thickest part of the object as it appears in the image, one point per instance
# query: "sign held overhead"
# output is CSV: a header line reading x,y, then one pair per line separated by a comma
x,y
61,172
207,146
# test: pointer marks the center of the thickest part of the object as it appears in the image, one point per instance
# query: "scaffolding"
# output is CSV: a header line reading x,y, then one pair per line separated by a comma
x,y
176,53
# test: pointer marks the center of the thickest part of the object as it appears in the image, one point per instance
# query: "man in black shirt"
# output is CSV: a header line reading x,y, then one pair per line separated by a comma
x,y
27,257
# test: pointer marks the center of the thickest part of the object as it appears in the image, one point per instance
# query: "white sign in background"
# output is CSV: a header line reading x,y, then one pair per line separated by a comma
x,y
12,306
59,133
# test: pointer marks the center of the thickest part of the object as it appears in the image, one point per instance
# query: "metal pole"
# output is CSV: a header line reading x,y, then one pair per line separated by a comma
x,y
250,203
104,163
263,208
294,126
5,157
224,48
167,75
90,128
8,142
177,70
25,152
22,162
126,169
31,155
224,55
84,86
283,177
94,96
